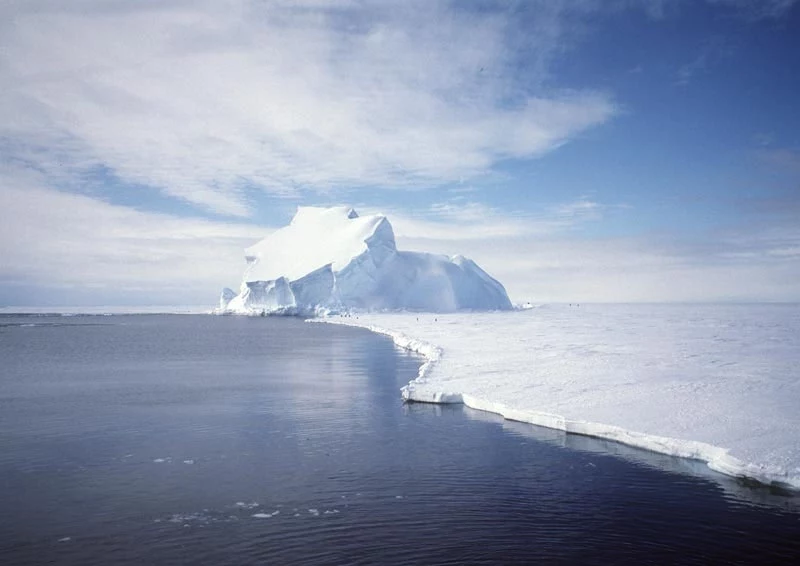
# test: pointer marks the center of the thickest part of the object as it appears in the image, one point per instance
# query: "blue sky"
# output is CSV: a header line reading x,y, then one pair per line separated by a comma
x,y
579,150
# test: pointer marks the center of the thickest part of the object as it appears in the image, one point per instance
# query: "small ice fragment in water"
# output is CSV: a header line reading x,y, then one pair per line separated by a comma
x,y
188,461
398,497
266,515
314,512
65,539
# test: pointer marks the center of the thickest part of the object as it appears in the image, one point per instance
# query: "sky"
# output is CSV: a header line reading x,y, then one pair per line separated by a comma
x,y
578,150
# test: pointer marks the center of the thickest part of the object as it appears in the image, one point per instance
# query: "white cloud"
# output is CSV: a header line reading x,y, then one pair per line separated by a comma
x,y
546,257
208,99
458,220
52,240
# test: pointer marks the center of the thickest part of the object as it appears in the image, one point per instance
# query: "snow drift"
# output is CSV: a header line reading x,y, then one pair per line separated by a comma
x,y
332,257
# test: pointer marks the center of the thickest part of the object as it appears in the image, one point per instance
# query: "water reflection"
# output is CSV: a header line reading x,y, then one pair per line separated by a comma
x,y
229,441
735,489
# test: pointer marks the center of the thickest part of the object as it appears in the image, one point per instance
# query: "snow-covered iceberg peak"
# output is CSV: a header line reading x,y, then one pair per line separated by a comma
x,y
317,237
332,257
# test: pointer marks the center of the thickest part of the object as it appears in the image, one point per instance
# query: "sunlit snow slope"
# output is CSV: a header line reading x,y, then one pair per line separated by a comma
x,y
715,383
332,257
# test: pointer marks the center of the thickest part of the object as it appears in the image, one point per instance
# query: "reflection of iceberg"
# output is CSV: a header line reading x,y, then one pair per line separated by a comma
x,y
331,257
710,383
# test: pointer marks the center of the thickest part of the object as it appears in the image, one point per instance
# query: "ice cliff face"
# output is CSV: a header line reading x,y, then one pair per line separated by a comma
x,y
332,258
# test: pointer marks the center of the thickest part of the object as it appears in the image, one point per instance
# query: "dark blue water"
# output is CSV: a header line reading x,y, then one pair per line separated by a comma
x,y
227,440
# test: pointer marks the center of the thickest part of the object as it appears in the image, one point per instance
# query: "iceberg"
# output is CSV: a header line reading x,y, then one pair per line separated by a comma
x,y
330,258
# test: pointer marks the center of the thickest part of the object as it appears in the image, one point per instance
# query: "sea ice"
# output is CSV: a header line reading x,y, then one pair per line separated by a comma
x,y
718,383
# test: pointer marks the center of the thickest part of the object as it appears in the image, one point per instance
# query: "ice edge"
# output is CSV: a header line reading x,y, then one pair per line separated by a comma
x,y
715,457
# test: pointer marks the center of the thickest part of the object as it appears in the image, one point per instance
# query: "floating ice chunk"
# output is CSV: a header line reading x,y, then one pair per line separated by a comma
x,y
65,539
188,461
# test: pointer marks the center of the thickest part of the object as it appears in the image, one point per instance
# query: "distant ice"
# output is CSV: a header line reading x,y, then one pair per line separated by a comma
x,y
718,383
199,518
105,310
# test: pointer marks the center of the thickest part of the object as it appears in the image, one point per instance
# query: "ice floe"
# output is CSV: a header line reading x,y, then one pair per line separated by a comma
x,y
717,383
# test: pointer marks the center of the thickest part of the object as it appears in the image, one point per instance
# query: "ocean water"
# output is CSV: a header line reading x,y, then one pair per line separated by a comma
x,y
169,439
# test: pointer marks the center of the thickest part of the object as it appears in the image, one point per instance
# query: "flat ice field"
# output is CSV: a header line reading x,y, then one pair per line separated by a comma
x,y
719,383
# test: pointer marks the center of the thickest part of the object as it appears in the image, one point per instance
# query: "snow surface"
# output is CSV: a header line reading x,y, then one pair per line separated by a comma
x,y
718,383
334,258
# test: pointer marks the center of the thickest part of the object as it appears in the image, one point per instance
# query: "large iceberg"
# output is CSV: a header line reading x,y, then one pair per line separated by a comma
x,y
334,258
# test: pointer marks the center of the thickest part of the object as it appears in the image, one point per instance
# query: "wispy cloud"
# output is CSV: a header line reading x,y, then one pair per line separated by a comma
x,y
460,221
713,50
207,100
755,10
782,160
